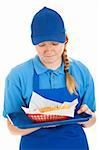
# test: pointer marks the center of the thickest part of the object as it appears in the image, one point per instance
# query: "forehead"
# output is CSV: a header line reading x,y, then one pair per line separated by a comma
x,y
48,42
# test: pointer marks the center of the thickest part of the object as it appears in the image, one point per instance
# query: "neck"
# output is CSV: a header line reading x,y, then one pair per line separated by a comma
x,y
53,66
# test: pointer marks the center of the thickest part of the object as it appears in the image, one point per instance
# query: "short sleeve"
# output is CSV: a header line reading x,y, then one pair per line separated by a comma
x,y
85,84
13,94
18,87
89,93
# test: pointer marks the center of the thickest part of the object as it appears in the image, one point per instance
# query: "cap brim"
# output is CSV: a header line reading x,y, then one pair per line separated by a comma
x,y
61,38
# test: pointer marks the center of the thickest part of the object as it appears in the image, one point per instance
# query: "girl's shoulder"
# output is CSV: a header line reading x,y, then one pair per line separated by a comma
x,y
23,66
79,70
22,70
78,66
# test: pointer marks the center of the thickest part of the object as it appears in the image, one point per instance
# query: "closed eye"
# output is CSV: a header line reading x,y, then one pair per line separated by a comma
x,y
41,45
55,43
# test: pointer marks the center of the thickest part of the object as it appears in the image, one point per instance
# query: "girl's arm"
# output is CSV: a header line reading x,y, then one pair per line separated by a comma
x,y
17,131
84,108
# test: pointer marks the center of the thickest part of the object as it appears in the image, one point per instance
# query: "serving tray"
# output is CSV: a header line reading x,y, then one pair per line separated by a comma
x,y
21,120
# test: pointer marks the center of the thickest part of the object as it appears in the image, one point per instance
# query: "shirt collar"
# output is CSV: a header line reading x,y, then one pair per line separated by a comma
x,y
40,68
60,69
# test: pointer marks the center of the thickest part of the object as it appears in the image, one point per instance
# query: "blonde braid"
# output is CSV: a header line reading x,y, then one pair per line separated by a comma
x,y
70,82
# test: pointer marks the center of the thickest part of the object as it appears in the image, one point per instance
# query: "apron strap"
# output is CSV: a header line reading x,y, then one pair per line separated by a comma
x,y
35,81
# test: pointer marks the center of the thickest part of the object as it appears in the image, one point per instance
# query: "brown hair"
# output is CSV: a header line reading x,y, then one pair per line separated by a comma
x,y
70,82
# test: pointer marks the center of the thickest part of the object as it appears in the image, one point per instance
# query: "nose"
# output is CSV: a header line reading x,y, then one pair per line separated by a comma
x,y
48,48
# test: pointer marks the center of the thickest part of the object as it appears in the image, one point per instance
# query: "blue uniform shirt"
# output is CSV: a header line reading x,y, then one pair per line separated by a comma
x,y
19,83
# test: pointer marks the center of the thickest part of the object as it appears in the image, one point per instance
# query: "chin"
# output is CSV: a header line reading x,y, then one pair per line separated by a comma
x,y
51,60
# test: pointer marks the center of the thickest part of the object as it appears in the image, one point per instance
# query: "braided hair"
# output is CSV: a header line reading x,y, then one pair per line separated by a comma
x,y
70,82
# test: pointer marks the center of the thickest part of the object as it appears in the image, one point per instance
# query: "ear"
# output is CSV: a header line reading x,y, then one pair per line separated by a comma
x,y
66,39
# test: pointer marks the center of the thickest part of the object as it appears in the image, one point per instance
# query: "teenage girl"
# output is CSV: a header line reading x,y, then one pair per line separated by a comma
x,y
52,75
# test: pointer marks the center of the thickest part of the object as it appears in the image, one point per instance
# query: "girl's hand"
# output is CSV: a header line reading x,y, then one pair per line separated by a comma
x,y
90,122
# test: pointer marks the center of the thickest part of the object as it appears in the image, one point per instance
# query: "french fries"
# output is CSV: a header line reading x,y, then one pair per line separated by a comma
x,y
52,108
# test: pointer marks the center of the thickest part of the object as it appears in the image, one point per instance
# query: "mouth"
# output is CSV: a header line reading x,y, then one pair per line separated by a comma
x,y
50,56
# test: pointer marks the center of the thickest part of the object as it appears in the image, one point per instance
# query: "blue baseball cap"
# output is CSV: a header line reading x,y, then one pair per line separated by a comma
x,y
47,25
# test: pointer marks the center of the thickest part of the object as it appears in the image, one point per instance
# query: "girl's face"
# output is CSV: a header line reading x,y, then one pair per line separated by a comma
x,y
50,52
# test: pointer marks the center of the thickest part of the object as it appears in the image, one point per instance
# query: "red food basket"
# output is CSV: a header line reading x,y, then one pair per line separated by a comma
x,y
39,118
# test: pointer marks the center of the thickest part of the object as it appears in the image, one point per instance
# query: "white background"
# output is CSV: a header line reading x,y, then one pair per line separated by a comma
x,y
81,21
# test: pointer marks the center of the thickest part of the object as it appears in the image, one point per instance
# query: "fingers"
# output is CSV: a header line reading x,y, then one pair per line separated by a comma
x,y
83,108
88,123
82,123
